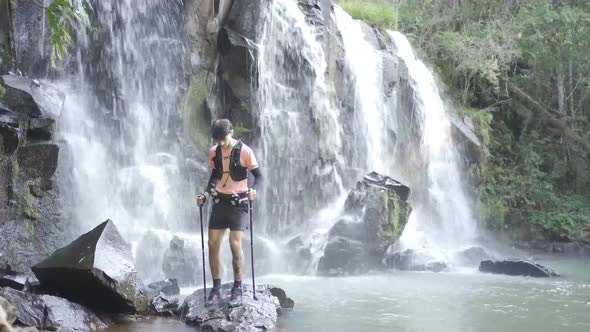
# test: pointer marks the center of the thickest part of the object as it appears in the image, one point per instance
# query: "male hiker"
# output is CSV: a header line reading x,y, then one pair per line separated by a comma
x,y
230,161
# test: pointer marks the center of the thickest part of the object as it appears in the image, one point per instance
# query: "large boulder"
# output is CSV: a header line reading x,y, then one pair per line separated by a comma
x,y
517,267
96,269
51,313
253,315
375,214
31,97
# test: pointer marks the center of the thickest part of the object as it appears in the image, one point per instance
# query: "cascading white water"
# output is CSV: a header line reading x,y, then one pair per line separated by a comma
x,y
444,214
300,135
442,221
365,65
122,123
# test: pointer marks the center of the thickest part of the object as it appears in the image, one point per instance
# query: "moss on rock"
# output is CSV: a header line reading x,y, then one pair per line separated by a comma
x,y
197,118
397,213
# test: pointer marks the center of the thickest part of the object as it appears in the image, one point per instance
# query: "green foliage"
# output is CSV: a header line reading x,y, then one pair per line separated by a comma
x,y
379,12
519,189
2,91
63,16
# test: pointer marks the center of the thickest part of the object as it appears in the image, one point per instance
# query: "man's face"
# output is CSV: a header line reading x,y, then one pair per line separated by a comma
x,y
224,142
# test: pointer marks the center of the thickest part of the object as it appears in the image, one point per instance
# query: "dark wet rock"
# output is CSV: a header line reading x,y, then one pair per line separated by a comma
x,y
97,270
16,281
181,262
473,256
412,260
9,138
516,267
167,287
164,305
344,256
41,129
51,313
253,315
285,301
242,18
39,159
375,214
31,97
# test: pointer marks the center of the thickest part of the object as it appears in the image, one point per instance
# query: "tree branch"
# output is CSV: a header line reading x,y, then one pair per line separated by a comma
x,y
550,117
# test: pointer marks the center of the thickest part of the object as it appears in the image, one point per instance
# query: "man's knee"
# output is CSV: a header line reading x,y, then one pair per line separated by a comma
x,y
214,245
235,245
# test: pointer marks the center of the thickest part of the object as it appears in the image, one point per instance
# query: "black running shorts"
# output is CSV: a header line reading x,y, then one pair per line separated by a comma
x,y
226,215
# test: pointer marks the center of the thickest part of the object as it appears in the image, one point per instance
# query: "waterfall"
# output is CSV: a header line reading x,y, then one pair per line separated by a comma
x,y
364,63
443,210
122,125
300,134
130,161
442,220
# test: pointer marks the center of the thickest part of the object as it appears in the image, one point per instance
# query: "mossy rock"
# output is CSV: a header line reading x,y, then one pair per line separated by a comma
x,y
197,121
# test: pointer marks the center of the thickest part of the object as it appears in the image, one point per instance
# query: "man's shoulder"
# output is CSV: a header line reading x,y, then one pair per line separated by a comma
x,y
246,148
213,148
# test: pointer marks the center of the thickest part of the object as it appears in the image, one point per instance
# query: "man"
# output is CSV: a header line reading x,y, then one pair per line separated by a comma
x,y
230,161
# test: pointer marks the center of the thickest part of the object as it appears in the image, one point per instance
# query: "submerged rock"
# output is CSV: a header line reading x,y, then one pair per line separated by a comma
x,y
253,315
517,267
51,313
96,269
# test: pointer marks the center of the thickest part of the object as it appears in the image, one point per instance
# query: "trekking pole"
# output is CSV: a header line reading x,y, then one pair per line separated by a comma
x,y
252,251
203,252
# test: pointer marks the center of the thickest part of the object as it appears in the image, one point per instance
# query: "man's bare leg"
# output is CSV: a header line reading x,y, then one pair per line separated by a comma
x,y
235,243
215,237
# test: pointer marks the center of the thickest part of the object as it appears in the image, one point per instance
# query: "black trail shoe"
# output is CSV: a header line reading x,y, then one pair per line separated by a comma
x,y
235,299
214,297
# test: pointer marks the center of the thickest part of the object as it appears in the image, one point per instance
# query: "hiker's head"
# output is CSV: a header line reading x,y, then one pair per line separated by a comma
x,y
222,132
